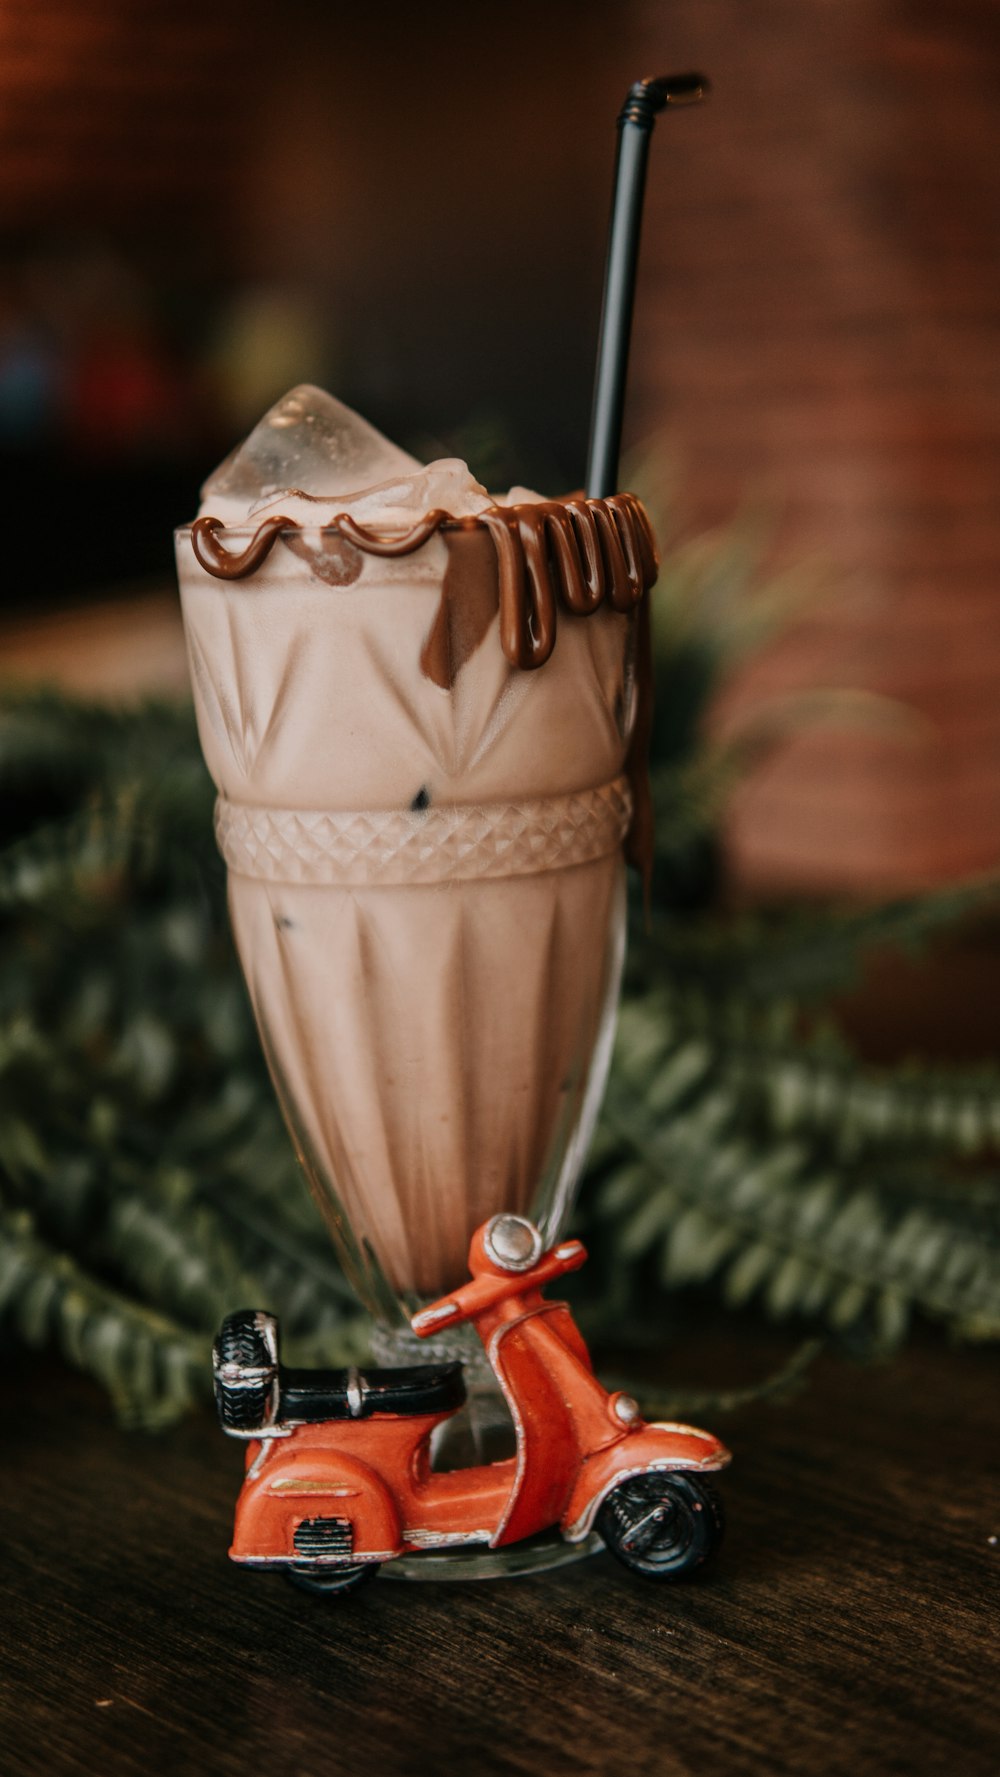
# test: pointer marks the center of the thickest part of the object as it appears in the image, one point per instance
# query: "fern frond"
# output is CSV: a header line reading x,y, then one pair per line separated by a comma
x,y
934,1109
805,954
778,1385
152,1368
810,1085
179,1262
142,1154
772,1224
65,858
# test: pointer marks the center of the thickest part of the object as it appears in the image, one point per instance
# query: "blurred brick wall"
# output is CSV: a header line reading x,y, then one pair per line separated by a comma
x,y
435,178
818,311
819,318
121,113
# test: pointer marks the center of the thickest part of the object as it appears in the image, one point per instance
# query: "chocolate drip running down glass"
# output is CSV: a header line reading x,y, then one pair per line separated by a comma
x,y
419,705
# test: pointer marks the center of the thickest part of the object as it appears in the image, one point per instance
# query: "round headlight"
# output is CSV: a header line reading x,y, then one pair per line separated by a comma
x,y
512,1243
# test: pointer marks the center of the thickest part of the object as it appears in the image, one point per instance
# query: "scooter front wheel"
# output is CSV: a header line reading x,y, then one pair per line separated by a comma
x,y
662,1525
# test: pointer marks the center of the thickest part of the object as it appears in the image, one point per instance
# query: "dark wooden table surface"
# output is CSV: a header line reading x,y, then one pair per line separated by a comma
x,y
849,1625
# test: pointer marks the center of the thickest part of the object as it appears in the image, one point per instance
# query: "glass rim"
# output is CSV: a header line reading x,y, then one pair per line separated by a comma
x,y
248,529
473,521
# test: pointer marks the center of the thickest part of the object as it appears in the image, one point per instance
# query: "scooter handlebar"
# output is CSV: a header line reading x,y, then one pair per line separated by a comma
x,y
492,1287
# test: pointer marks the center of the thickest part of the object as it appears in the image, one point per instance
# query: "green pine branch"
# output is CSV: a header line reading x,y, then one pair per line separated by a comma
x,y
802,1083
152,1368
806,954
147,1185
772,1223
684,1403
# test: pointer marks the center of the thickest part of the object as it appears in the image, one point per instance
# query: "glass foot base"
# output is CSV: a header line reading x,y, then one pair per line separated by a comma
x,y
537,1554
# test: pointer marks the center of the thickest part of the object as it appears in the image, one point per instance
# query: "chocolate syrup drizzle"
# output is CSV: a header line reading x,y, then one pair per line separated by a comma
x,y
575,551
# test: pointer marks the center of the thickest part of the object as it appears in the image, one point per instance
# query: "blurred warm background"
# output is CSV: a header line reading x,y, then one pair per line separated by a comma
x,y
202,203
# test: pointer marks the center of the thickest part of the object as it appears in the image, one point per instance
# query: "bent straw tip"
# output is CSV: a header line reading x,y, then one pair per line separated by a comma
x,y
647,98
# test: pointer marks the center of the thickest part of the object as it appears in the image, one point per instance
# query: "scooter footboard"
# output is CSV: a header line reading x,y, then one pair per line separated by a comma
x,y
663,1446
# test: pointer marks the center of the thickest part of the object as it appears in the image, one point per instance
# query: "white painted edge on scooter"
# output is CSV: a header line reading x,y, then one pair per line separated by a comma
x,y
575,1532
429,1317
689,1431
267,1448
444,1539
356,1559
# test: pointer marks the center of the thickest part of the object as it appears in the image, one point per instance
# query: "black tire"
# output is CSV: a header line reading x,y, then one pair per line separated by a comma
x,y
330,1581
244,1407
663,1525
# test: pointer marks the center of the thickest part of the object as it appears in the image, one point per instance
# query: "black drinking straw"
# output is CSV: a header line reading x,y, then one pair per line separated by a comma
x,y
635,126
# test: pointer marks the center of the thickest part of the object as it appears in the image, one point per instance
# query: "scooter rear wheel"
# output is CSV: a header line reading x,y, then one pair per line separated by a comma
x,y
662,1525
330,1580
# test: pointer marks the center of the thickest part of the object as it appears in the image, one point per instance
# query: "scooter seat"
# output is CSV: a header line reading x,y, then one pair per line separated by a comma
x,y
309,1396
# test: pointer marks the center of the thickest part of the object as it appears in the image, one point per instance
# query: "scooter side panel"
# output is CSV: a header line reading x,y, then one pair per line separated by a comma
x,y
294,1486
639,1452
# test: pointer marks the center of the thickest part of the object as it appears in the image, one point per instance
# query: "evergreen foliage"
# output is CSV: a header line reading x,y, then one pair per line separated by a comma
x,y
147,1186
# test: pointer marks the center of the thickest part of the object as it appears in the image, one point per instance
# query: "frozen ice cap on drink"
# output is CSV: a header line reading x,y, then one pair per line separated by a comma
x,y
307,441
311,457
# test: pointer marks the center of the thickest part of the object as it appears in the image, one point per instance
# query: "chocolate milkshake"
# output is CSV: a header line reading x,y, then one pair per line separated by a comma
x,y
418,703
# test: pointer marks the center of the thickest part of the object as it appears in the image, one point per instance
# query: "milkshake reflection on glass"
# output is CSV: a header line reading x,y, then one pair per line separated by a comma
x,y
416,702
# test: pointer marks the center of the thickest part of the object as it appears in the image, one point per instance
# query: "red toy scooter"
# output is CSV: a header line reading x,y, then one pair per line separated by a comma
x,y
339,1476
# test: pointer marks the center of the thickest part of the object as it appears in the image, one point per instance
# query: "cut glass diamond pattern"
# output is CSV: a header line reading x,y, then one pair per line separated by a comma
x,y
456,843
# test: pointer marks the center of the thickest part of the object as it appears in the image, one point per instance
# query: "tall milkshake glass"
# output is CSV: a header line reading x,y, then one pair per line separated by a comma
x,y
417,706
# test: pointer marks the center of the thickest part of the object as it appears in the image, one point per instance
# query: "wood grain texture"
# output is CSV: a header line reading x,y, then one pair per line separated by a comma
x,y
849,1626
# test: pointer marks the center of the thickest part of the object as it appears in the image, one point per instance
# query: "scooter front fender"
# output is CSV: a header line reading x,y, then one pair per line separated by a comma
x,y
649,1447
295,1486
